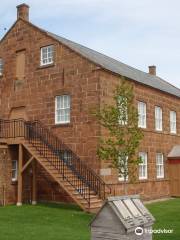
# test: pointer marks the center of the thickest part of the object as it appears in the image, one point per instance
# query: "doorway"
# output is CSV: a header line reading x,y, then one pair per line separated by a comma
x,y
174,171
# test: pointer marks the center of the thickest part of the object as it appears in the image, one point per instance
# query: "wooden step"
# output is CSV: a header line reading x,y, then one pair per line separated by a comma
x,y
93,209
95,201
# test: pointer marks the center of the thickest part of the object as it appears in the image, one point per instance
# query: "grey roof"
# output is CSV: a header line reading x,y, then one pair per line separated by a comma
x,y
118,67
175,152
129,210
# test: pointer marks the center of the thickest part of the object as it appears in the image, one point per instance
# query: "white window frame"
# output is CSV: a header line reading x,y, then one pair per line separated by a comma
x,y
47,55
62,110
121,178
67,157
159,165
158,118
173,127
142,115
15,170
1,66
143,166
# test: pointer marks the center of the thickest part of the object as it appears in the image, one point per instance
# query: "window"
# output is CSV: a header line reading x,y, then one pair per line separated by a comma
x,y
158,118
1,67
143,165
142,114
47,54
172,122
62,109
66,156
14,170
159,165
20,65
124,169
123,113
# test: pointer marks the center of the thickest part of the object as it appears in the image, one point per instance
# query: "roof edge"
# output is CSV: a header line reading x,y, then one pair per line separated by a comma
x,y
90,60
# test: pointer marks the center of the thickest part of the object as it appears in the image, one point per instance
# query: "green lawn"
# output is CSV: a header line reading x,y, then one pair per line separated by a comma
x,y
167,216
65,222
44,222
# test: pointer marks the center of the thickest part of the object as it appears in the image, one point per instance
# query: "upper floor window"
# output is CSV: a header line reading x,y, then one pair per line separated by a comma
x,y
14,170
158,118
142,114
62,109
47,55
1,67
172,121
159,165
143,165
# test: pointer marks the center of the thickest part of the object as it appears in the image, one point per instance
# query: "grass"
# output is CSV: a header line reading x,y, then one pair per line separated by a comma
x,y
167,216
68,222
46,222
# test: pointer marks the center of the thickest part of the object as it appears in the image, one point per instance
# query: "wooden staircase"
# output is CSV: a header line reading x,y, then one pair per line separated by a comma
x,y
80,182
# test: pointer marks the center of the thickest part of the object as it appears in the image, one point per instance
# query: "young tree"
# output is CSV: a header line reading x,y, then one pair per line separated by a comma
x,y
121,121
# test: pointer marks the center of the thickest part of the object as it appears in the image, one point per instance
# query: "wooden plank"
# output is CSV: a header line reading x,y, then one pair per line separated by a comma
x,y
27,164
20,162
34,190
70,193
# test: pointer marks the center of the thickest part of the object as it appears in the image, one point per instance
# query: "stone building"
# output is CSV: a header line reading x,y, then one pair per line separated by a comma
x,y
48,137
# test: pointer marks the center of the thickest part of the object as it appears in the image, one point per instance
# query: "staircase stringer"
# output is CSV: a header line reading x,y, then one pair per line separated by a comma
x,y
53,176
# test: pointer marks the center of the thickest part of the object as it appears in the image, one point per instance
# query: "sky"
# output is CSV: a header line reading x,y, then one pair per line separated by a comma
x,y
136,32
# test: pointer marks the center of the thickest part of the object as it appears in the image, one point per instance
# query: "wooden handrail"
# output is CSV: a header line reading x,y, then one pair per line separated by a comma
x,y
58,154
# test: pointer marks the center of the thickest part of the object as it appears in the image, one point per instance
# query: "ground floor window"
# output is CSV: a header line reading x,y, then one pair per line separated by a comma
x,y
14,170
124,169
160,165
143,166
66,156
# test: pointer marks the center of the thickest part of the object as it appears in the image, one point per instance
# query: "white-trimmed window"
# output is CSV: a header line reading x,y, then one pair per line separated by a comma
x,y
62,109
141,114
47,55
159,165
172,121
143,166
14,170
124,170
1,67
158,118
123,111
67,157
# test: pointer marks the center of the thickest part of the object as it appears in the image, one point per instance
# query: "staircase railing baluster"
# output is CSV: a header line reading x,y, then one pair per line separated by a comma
x,y
83,179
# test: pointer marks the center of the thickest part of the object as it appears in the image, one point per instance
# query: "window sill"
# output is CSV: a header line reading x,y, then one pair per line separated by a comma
x,y
62,125
159,131
145,180
122,181
173,134
142,127
160,179
46,66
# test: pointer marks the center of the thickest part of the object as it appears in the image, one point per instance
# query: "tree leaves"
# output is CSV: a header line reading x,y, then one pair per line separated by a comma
x,y
121,121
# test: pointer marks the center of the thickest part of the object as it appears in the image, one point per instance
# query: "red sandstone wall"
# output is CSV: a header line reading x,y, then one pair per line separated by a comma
x,y
74,75
153,141
70,74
